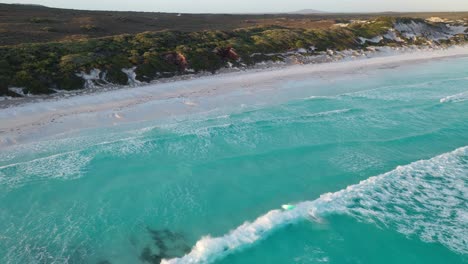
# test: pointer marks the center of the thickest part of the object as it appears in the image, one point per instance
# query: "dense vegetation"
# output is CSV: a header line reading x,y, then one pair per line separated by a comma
x,y
39,24
41,68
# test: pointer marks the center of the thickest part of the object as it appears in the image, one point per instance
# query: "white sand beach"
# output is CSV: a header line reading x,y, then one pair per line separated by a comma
x,y
35,120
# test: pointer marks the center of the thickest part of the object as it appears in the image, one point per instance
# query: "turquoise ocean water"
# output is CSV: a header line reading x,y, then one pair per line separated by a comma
x,y
376,164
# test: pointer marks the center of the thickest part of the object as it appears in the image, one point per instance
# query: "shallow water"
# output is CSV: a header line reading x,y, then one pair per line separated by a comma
x,y
376,162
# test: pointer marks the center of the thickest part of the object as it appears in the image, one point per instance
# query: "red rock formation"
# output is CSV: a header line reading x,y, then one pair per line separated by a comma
x,y
177,59
227,53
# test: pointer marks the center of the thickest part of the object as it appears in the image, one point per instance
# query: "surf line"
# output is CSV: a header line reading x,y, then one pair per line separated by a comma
x,y
209,249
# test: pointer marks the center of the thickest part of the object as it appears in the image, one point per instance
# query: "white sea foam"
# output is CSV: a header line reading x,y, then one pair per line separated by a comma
x,y
332,112
66,165
455,98
318,97
426,199
302,117
194,128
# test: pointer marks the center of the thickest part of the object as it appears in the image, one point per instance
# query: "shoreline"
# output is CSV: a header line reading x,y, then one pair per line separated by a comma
x,y
18,123
321,58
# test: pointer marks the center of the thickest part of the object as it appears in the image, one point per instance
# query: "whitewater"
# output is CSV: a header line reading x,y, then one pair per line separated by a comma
x,y
426,187
374,158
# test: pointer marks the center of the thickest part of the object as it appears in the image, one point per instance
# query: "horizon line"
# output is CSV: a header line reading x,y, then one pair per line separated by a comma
x,y
294,12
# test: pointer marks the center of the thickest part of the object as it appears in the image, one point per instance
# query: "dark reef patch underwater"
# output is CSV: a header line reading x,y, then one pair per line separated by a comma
x,y
167,245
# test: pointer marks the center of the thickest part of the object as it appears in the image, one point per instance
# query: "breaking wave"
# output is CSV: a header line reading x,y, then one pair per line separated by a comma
x,y
318,97
455,98
427,199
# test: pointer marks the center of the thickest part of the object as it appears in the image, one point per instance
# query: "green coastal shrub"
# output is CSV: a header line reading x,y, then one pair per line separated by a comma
x,y
32,83
114,74
69,81
154,65
22,79
5,72
76,62
204,60
3,85
146,72
372,29
40,67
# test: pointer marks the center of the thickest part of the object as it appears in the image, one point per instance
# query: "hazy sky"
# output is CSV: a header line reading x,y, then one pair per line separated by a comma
x,y
237,6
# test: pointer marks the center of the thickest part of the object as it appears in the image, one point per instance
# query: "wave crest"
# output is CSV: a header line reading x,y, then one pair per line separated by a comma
x,y
455,98
427,199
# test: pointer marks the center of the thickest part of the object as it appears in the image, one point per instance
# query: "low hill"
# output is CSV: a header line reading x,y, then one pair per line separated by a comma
x,y
307,12
35,24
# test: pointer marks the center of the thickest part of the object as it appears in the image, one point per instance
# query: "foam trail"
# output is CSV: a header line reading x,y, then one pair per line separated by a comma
x,y
189,129
455,98
318,97
332,112
427,199
67,165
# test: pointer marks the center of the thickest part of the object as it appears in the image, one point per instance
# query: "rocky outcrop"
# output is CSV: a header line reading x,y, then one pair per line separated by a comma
x,y
177,59
438,31
131,76
227,53
92,78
